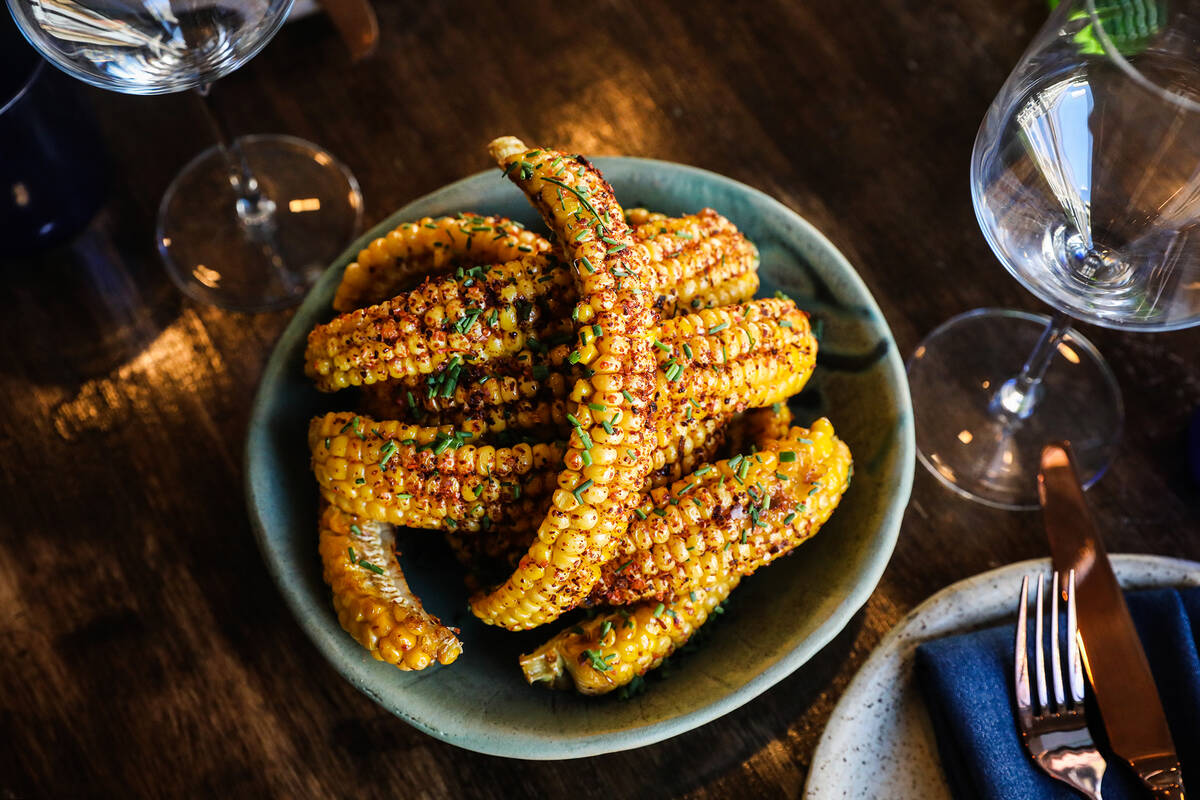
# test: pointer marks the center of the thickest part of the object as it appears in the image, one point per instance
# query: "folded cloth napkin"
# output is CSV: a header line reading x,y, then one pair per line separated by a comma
x,y
967,684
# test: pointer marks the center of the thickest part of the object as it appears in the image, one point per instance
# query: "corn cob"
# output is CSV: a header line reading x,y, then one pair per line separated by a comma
x,y
444,322
372,598
728,359
502,545
698,260
605,464
433,478
415,250
732,517
610,650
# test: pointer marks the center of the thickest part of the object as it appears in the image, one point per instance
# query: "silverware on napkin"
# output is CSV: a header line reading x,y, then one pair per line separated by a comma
x,y
1056,735
1112,654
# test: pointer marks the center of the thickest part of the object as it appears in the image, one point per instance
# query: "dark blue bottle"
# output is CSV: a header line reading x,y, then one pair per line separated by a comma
x,y
53,169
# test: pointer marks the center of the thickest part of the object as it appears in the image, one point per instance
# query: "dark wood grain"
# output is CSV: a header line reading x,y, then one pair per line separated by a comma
x,y
143,648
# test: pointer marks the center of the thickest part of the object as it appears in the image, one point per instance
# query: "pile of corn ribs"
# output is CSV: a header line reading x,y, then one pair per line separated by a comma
x,y
563,410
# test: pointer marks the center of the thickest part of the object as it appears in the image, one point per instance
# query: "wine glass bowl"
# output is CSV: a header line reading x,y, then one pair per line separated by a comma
x,y
1085,178
151,47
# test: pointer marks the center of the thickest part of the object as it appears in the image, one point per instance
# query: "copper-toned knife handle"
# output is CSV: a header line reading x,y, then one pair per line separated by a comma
x,y
1167,784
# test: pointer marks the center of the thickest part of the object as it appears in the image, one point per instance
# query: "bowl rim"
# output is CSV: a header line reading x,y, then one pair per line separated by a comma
x,y
875,560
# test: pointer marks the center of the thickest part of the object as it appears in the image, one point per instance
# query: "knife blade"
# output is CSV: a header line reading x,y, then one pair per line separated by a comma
x,y
1113,656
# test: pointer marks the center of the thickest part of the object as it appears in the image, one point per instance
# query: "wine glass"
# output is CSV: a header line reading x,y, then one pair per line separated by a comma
x,y
248,224
1085,178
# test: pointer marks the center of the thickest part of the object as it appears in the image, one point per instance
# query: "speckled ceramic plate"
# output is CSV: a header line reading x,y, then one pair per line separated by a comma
x,y
777,619
879,741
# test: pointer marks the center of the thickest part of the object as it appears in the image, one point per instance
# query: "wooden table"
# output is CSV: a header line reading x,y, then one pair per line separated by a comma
x,y
143,648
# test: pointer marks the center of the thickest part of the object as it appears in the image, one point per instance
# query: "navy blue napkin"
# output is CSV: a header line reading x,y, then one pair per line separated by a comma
x,y
967,684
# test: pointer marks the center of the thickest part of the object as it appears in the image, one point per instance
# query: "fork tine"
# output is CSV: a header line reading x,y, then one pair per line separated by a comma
x,y
1074,664
1055,650
1021,654
1039,655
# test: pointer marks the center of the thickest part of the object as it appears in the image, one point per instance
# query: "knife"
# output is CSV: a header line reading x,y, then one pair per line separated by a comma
x,y
1113,655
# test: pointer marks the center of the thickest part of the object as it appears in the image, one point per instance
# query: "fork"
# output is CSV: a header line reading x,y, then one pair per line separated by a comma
x,y
1057,735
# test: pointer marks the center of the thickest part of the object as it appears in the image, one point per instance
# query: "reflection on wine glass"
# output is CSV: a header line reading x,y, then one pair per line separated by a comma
x,y
250,223
1086,183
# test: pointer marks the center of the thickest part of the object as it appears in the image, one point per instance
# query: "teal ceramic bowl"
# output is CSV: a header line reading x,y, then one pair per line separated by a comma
x,y
776,620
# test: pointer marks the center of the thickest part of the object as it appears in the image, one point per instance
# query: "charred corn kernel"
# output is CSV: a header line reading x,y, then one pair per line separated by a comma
x,y
696,260
733,517
438,326
747,356
416,250
432,478
371,596
728,359
612,648
612,280
755,428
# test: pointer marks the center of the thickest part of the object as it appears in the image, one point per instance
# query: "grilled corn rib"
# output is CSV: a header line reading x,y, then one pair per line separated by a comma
x,y
730,518
697,261
611,649
444,322
719,360
502,545
607,459
372,598
433,478
429,246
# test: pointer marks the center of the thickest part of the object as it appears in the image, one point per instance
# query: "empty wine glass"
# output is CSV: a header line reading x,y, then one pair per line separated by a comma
x,y
248,224
1085,178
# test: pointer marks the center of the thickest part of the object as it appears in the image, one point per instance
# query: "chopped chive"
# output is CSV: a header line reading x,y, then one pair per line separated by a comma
x,y
605,627
587,458
718,328
596,406
787,455
598,331
692,596
581,488
789,518
574,357
357,531
572,419
785,323
624,566
781,476
453,523
628,397
360,481
327,443
370,566
687,488
804,441
353,558
658,610
584,439
587,264
608,428
386,452
641,514
666,348
662,512
687,350
404,496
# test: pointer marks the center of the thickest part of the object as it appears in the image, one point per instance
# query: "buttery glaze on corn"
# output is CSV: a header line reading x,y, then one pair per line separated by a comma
x,y
731,517
441,324
372,599
429,247
477,313
607,460
611,649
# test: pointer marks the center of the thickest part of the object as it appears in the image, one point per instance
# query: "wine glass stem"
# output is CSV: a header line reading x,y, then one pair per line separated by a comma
x,y
1017,397
252,209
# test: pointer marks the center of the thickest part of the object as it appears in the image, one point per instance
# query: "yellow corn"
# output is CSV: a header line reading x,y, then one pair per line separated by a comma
x,y
731,517
440,325
433,478
607,459
372,598
429,246
613,648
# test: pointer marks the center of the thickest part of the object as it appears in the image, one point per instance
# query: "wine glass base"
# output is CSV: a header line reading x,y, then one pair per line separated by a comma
x,y
988,455
267,257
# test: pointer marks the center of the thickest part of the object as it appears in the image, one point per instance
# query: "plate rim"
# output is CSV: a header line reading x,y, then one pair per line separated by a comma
x,y
888,644
555,748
